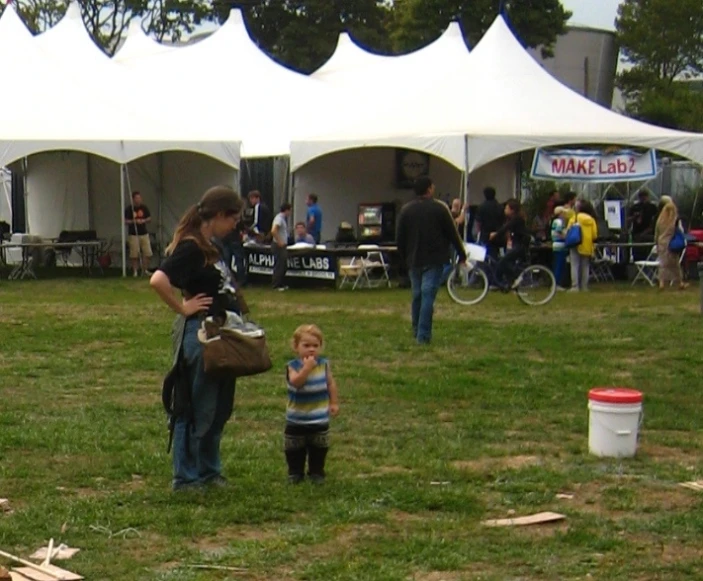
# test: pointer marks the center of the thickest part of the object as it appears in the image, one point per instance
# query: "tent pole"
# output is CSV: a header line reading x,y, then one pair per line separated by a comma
x,y
25,169
91,201
291,195
123,208
160,228
465,180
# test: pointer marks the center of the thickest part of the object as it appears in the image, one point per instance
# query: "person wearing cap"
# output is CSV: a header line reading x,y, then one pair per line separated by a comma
x,y
559,251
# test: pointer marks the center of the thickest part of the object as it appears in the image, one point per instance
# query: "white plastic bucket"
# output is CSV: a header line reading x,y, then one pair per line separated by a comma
x,y
615,415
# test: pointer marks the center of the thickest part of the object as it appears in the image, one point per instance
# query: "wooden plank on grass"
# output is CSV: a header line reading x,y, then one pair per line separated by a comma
x,y
15,576
697,486
59,553
56,573
521,521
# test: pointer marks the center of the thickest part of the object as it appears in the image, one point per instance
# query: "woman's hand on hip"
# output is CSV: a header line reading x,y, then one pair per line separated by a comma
x,y
196,304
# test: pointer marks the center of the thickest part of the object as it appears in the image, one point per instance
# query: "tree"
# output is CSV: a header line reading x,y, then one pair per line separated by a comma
x,y
38,15
662,42
302,34
107,20
415,23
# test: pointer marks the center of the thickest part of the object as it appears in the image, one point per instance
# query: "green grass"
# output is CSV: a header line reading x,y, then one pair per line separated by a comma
x,y
495,410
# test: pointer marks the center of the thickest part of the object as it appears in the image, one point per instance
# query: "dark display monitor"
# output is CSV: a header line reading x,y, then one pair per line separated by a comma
x,y
371,215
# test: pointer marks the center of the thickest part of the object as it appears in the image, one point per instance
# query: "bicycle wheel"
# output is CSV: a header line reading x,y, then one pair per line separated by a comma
x,y
467,284
536,285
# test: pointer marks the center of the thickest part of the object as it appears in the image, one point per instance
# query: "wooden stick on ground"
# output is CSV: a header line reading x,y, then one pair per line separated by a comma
x,y
49,550
31,565
218,568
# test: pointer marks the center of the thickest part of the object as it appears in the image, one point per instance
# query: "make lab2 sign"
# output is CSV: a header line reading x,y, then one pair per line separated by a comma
x,y
594,166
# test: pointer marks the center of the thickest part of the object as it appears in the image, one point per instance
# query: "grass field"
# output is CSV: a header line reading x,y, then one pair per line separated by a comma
x,y
495,410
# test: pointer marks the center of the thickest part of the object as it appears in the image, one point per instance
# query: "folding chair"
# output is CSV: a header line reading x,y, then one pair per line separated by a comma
x,y
367,271
376,268
647,270
351,272
601,266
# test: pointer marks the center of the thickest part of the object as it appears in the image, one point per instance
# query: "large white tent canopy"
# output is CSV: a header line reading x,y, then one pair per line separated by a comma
x,y
350,65
467,108
497,101
66,105
226,81
138,45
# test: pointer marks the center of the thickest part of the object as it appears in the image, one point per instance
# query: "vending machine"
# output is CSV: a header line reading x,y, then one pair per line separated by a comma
x,y
377,223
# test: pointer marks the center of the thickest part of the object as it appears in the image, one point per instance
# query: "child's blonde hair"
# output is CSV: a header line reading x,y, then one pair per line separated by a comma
x,y
313,330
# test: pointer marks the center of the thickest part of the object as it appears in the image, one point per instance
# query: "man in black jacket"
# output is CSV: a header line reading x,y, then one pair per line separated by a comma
x,y
426,231
490,218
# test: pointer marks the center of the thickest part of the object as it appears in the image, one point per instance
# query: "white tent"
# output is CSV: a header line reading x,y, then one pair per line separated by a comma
x,y
351,64
228,82
68,41
96,100
138,45
499,101
70,191
522,107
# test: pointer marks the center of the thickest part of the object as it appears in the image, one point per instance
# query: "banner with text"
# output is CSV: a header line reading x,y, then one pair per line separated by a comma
x,y
315,265
594,166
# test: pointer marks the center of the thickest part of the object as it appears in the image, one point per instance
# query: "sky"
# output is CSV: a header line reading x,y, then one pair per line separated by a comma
x,y
595,13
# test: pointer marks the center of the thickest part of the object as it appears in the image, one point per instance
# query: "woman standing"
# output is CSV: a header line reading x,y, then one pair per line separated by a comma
x,y
580,257
669,266
194,265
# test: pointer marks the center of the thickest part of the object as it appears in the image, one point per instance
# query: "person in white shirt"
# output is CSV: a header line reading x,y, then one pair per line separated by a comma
x,y
279,245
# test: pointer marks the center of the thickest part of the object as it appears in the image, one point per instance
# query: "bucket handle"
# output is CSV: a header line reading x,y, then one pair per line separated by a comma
x,y
629,432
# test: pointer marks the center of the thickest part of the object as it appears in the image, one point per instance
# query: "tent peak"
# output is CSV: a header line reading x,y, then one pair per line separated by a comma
x,y
135,27
235,19
73,12
11,21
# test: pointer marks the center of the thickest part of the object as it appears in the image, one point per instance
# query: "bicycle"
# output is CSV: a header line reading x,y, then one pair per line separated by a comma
x,y
468,284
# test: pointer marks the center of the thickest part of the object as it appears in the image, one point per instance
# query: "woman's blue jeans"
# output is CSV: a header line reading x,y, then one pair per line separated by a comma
x,y
196,440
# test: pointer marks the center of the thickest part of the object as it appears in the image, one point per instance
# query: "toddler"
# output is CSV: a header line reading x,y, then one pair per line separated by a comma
x,y
312,399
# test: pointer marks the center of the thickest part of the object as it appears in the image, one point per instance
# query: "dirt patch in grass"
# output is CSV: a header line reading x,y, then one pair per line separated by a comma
x,y
445,417
443,576
670,498
633,500
400,516
377,471
495,464
144,547
666,552
344,538
226,536
668,454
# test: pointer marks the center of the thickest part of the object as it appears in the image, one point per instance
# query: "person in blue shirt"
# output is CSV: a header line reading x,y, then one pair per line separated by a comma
x,y
313,218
